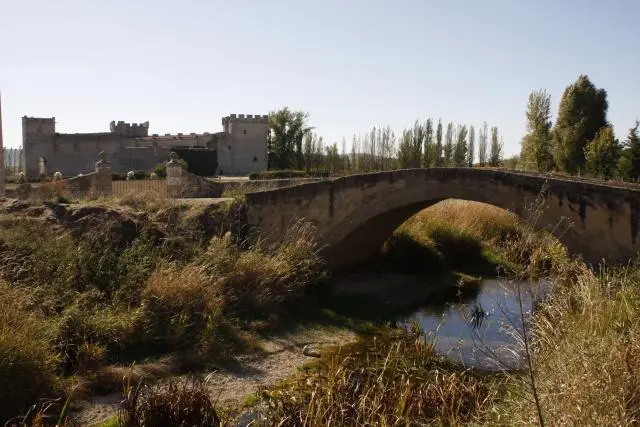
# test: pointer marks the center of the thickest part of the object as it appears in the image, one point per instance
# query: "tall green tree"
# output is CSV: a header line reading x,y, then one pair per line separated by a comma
x,y
495,152
602,153
287,129
419,134
536,152
581,114
483,152
460,148
629,163
448,145
472,146
439,160
405,149
428,152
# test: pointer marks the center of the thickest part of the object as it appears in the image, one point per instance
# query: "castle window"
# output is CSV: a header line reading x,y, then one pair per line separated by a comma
x,y
229,148
255,159
244,131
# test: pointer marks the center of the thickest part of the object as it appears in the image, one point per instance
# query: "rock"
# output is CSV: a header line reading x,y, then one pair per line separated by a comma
x,y
307,350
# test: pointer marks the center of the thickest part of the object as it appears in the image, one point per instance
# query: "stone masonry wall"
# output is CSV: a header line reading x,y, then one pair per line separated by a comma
x,y
241,146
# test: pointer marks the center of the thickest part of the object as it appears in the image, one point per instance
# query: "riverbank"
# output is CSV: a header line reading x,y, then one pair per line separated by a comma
x,y
168,289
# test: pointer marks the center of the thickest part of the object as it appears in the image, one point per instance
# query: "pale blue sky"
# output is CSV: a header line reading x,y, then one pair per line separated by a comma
x,y
350,64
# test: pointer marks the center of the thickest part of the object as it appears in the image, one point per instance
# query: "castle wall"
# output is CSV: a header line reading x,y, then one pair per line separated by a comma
x,y
241,147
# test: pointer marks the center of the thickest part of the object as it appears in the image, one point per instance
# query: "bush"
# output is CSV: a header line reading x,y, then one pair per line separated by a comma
x,y
27,359
284,174
183,402
189,304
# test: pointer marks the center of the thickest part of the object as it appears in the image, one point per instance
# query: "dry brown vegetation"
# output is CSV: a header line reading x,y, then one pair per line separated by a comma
x,y
586,363
98,284
398,381
103,286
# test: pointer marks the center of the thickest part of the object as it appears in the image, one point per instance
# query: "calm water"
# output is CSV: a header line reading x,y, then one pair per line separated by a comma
x,y
481,327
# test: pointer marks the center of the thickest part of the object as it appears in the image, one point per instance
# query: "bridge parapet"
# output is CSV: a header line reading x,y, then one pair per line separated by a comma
x,y
355,214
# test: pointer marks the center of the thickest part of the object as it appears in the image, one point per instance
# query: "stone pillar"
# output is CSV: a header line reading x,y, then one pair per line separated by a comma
x,y
102,180
176,178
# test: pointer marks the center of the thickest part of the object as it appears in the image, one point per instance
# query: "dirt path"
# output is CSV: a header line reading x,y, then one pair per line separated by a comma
x,y
280,357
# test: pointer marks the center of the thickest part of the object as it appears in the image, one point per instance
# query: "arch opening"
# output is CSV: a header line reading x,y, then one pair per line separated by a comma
x,y
365,241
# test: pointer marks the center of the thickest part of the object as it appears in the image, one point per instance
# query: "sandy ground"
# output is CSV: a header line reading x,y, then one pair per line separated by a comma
x,y
280,357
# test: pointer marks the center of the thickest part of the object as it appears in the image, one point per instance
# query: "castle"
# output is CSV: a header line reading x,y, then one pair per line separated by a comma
x,y
239,149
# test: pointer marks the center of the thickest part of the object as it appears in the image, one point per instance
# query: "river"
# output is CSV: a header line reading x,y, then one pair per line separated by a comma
x,y
478,324
483,327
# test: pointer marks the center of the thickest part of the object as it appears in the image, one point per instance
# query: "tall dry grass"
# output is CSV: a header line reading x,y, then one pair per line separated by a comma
x,y
465,232
193,303
398,381
586,341
27,359
185,402
139,277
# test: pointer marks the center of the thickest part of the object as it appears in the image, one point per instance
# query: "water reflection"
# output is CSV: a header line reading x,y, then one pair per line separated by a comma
x,y
482,328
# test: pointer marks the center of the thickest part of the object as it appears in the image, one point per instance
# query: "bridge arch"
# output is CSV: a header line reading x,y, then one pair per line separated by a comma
x,y
354,215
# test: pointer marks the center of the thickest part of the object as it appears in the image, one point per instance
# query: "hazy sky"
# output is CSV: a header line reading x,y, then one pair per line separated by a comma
x,y
351,64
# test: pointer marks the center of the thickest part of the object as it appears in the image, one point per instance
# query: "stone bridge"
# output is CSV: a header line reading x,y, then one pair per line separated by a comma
x,y
355,214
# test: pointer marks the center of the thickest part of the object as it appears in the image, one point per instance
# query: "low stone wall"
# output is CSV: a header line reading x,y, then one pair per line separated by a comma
x,y
80,185
185,185
262,184
182,184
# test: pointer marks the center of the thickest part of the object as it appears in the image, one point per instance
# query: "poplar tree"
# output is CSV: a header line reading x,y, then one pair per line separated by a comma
x,y
601,154
472,146
460,150
495,153
629,163
582,112
536,151
428,153
439,160
448,145
482,145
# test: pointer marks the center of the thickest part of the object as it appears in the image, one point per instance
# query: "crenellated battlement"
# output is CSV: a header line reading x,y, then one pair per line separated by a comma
x,y
130,130
38,125
240,146
245,118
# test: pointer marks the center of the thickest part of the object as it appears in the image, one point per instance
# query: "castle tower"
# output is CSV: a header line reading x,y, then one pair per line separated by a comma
x,y
1,153
245,150
38,143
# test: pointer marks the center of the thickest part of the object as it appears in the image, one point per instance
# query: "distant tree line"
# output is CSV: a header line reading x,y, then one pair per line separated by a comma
x,y
293,144
13,161
582,141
